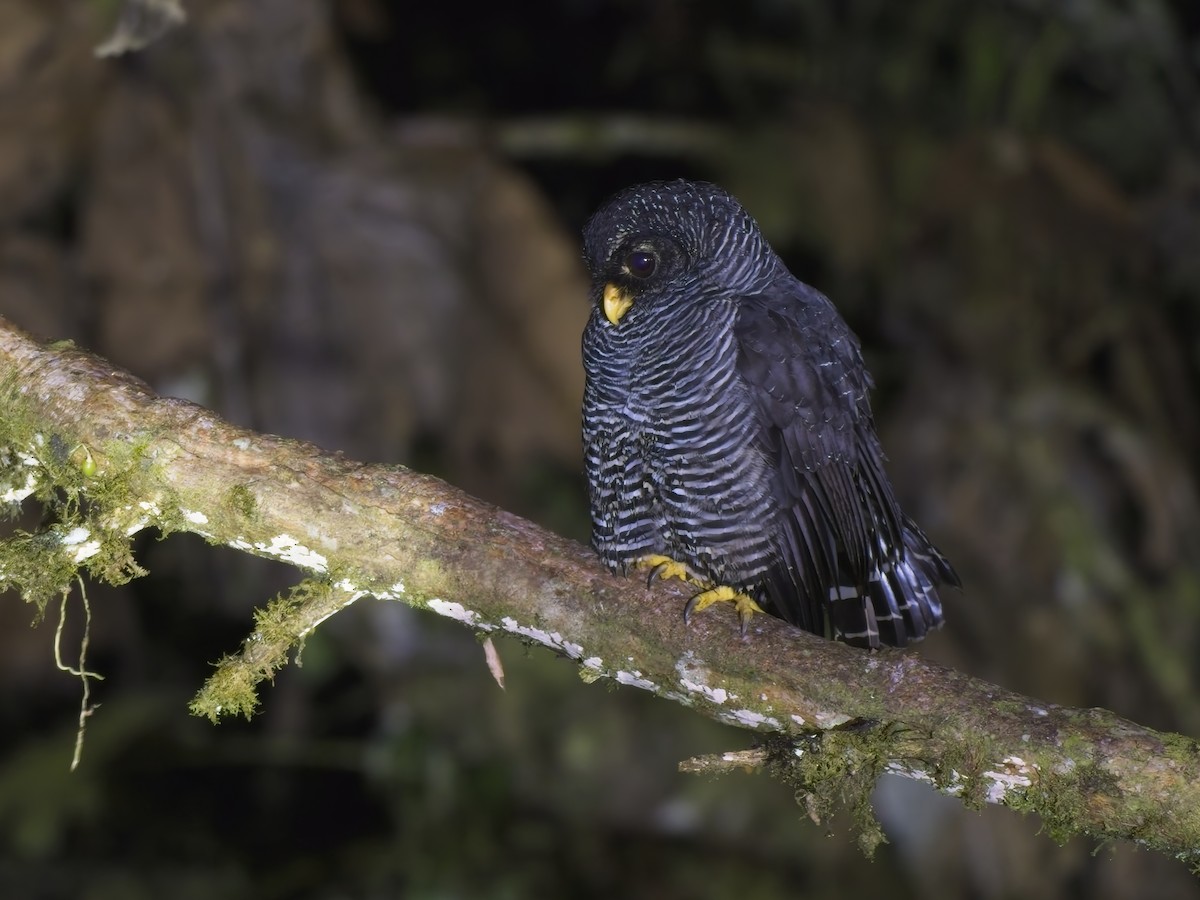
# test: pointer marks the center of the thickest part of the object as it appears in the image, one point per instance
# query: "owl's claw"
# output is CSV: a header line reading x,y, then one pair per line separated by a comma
x,y
745,605
662,567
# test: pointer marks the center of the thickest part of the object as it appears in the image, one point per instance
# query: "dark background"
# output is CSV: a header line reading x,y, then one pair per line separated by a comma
x,y
355,222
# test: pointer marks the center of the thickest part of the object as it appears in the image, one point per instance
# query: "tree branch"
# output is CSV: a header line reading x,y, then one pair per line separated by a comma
x,y
118,459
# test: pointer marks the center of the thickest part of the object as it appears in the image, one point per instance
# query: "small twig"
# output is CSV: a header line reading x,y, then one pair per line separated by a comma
x,y
723,763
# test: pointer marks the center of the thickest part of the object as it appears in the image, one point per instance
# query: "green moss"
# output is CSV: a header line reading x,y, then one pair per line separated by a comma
x,y
1062,801
242,502
114,563
1071,801
960,770
277,622
281,625
230,690
1078,747
81,486
1050,797
837,769
108,489
1180,745
37,565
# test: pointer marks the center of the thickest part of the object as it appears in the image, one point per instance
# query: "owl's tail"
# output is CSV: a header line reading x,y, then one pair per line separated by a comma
x,y
899,603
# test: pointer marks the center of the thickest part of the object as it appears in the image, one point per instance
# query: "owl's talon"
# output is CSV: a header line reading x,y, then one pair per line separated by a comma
x,y
663,567
659,571
745,605
665,570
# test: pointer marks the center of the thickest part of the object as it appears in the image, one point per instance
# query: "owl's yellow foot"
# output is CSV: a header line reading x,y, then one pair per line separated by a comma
x,y
665,567
743,603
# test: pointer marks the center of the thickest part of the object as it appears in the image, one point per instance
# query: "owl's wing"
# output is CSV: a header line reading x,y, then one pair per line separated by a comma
x,y
847,552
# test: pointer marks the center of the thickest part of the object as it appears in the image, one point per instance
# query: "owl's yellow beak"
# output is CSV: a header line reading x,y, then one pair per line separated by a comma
x,y
616,303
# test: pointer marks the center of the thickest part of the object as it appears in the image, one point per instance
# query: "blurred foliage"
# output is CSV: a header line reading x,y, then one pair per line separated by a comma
x,y
354,223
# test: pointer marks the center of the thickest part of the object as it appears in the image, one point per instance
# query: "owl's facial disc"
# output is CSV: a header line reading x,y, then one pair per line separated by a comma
x,y
616,302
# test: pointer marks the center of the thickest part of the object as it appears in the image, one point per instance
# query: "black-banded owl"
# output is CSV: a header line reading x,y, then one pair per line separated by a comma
x,y
727,428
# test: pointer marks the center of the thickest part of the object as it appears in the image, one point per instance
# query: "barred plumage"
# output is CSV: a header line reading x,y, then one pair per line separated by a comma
x,y
727,426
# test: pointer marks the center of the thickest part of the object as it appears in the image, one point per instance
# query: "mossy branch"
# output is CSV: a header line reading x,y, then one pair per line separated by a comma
x,y
116,458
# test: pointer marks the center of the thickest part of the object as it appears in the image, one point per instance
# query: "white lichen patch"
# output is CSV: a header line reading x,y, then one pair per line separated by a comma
x,y
716,695
751,719
194,516
547,638
437,509
635,679
17,494
825,721
799,720
82,545
906,771
76,535
1013,773
130,518
291,550
693,677
288,549
394,592
594,662
452,610
243,443
1016,774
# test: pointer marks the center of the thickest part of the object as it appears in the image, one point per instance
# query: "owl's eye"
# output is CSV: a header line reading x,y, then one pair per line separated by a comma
x,y
641,264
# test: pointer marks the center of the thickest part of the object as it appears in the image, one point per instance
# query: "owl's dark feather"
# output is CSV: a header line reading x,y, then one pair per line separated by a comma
x,y
727,425
842,527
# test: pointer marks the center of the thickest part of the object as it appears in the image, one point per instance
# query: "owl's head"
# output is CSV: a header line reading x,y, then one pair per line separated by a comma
x,y
679,240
